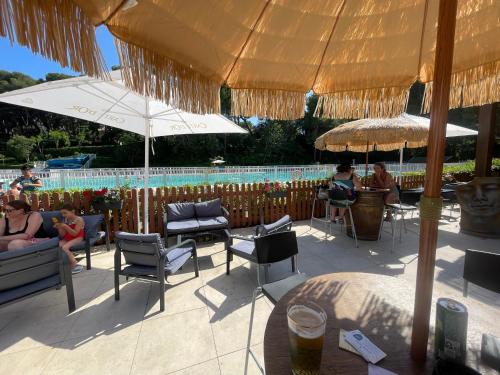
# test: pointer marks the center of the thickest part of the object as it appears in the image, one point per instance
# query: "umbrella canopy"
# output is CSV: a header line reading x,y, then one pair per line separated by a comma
x,y
111,103
383,134
361,56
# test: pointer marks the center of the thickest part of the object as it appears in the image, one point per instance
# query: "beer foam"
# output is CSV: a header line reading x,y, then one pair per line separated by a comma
x,y
306,322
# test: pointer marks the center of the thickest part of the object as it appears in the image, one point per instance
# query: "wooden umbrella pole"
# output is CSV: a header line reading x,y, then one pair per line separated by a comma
x,y
430,203
366,164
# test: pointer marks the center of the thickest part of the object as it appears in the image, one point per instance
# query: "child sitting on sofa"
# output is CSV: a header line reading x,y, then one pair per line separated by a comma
x,y
71,232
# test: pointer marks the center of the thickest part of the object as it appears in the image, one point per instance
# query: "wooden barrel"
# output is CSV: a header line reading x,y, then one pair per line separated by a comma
x,y
367,213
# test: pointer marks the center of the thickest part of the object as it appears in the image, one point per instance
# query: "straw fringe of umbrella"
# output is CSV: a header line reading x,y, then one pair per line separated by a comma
x,y
57,29
350,85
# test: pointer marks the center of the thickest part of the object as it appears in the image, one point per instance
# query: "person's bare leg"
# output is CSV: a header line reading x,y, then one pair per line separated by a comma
x,y
18,244
333,213
4,245
389,199
66,246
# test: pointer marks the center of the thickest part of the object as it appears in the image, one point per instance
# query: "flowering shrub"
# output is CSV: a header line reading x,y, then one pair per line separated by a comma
x,y
103,196
275,187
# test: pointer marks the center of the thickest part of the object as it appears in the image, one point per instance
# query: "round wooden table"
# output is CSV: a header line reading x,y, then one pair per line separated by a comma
x,y
377,305
367,214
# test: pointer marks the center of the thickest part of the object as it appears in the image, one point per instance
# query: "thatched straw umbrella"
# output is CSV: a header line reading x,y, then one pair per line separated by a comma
x,y
384,134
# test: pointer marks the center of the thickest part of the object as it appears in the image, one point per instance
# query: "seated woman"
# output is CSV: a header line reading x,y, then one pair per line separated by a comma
x,y
382,179
345,177
20,227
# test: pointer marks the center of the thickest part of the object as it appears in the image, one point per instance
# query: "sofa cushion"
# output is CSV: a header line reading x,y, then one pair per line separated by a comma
x,y
26,290
208,208
48,225
180,211
212,222
176,258
245,249
44,245
92,225
277,224
183,226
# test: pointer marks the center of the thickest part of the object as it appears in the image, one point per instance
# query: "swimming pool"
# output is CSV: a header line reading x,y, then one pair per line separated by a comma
x,y
81,179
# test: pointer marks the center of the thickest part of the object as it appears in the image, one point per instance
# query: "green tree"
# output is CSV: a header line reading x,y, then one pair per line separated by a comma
x,y
14,80
56,76
58,138
21,147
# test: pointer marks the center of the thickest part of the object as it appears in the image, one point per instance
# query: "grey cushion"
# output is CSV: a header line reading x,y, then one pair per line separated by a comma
x,y
92,225
275,291
212,222
182,226
174,260
45,245
244,249
209,208
277,224
180,211
48,225
26,290
146,238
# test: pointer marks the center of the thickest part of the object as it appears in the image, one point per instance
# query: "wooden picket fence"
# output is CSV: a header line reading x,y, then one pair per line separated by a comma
x,y
246,203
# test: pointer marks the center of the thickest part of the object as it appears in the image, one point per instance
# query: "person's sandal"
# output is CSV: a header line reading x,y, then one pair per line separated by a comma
x,y
77,269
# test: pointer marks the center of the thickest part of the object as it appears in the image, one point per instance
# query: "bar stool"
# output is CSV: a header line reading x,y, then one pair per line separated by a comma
x,y
321,194
396,209
340,199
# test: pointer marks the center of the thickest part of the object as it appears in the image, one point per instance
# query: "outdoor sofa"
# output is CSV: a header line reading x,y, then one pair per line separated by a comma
x,y
190,218
93,232
33,270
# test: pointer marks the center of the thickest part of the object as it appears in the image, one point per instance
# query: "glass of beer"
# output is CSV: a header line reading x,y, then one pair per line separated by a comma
x,y
306,333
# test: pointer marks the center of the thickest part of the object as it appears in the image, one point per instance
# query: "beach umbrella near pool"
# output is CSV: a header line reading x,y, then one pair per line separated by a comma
x,y
383,134
111,103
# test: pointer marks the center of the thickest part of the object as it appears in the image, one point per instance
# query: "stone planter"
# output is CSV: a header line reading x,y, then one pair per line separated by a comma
x,y
480,207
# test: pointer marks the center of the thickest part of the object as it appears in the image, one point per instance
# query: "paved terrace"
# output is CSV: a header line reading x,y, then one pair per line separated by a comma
x,y
204,328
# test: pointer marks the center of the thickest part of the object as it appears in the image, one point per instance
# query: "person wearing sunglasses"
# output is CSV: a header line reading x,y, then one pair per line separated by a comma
x,y
20,227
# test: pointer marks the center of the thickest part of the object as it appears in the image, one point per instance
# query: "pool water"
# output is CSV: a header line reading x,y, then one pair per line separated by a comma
x,y
137,181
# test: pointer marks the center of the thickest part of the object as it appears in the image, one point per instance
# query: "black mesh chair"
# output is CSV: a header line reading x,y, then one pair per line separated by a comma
x,y
147,258
270,249
481,268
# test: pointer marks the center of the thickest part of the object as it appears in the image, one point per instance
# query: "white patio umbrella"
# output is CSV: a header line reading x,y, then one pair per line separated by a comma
x,y
111,103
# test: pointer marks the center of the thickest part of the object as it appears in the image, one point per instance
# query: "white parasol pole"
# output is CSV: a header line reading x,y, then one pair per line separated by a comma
x,y
401,166
147,133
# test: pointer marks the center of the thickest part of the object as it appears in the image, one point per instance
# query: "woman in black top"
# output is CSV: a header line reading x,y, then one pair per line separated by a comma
x,y
20,227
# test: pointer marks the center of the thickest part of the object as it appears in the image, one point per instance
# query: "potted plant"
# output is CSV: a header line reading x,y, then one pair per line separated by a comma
x,y
104,199
275,189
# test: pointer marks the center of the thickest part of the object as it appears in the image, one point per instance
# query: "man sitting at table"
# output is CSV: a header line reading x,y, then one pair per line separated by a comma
x,y
382,179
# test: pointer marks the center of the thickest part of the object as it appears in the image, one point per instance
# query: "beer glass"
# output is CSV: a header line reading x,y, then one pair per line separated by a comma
x,y
306,332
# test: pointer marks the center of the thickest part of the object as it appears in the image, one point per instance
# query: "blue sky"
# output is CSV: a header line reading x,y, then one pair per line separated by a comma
x,y
21,59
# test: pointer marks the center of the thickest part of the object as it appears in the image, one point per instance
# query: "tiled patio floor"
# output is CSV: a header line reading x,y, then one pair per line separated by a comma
x,y
204,327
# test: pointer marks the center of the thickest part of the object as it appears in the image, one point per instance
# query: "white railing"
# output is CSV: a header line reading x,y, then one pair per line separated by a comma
x,y
178,176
